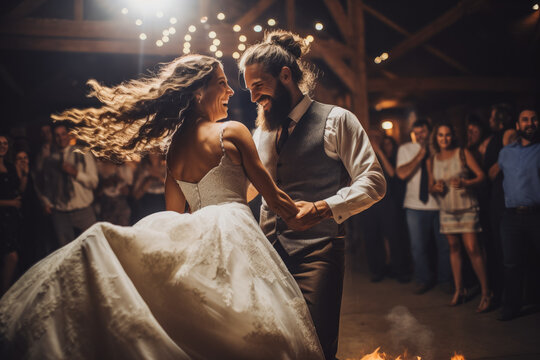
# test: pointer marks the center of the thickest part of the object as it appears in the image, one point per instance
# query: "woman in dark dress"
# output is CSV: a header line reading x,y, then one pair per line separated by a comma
x,y
10,216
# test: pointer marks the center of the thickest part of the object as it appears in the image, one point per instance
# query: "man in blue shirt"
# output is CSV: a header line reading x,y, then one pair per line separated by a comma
x,y
520,164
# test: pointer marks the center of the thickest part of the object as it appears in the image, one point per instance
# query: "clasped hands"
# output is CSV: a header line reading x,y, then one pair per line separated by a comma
x,y
439,187
309,214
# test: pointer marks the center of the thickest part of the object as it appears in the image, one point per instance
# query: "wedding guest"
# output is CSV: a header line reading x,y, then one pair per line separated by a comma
x,y
502,126
149,185
422,211
452,173
520,227
385,248
70,177
10,216
114,188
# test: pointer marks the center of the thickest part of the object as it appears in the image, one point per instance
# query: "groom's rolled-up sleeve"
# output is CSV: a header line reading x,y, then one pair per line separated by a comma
x,y
345,139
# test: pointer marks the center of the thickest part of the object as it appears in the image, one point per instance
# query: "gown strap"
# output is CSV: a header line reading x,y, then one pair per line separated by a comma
x,y
221,138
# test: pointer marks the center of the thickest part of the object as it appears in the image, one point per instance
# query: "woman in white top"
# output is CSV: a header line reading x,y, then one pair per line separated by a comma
x,y
452,173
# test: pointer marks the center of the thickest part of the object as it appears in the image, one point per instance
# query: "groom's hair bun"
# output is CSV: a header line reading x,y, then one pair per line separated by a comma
x,y
290,42
278,49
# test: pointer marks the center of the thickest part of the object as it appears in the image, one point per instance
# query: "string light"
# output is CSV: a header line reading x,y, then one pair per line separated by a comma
x,y
236,55
271,22
236,28
173,20
204,19
187,45
165,32
319,26
159,43
187,37
192,28
377,60
125,11
172,30
384,56
142,36
221,16
387,125
257,28
242,38
216,42
159,14
241,47
212,34
219,53
165,39
186,51
138,22
536,7
310,38
213,48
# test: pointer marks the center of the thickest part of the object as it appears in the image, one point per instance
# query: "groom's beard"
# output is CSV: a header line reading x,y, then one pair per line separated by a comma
x,y
280,108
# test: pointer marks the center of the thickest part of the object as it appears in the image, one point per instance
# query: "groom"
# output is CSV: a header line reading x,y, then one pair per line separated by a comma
x,y
312,151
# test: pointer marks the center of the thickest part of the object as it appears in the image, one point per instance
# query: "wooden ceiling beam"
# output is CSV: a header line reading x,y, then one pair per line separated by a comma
x,y
103,30
491,84
340,18
254,12
439,24
86,46
69,28
336,63
291,14
78,10
432,50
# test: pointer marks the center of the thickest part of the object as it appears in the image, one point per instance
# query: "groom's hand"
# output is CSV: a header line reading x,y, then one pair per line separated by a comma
x,y
309,214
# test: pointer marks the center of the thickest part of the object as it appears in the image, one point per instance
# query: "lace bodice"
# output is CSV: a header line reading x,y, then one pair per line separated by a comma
x,y
224,183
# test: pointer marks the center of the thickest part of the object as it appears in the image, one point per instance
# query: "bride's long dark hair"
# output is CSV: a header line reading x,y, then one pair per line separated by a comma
x,y
140,114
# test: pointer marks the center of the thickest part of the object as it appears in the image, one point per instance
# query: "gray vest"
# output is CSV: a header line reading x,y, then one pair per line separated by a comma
x,y
305,172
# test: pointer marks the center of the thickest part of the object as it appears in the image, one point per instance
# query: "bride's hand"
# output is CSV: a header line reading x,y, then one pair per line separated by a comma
x,y
285,207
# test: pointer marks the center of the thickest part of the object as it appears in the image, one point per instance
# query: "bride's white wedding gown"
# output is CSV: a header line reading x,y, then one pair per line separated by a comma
x,y
206,285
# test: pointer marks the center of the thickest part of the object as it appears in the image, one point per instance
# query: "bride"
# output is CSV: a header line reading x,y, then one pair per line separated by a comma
x,y
202,285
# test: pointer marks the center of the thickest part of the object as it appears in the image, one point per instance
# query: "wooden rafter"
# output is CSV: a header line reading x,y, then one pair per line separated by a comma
x,y
340,18
78,10
434,51
291,14
439,24
360,98
338,66
254,12
452,84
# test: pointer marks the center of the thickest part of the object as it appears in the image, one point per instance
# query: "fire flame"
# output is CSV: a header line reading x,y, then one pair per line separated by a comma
x,y
376,355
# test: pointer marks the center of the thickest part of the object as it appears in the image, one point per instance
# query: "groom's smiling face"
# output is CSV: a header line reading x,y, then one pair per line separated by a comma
x,y
273,98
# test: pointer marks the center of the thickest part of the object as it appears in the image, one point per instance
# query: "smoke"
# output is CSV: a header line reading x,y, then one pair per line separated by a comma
x,y
407,332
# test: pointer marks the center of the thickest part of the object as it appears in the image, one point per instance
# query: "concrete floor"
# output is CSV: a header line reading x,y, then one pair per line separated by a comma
x,y
388,315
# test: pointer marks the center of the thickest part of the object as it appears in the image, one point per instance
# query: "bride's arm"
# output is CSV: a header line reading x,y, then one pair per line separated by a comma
x,y
174,197
276,199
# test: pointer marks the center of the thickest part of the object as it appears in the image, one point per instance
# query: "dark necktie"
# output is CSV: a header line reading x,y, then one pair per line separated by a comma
x,y
284,135
424,182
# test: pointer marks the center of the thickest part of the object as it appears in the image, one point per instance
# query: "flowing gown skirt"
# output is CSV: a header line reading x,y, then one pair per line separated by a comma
x,y
206,285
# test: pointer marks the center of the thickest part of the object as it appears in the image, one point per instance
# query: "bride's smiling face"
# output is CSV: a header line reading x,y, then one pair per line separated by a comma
x,y
215,97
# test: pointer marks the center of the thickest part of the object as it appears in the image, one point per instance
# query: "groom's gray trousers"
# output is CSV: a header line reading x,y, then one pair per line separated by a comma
x,y
319,270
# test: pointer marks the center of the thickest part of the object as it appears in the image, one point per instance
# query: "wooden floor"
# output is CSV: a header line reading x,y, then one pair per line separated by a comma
x,y
388,315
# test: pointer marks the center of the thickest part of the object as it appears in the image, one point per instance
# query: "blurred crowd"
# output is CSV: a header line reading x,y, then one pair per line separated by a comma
x,y
51,191
479,192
